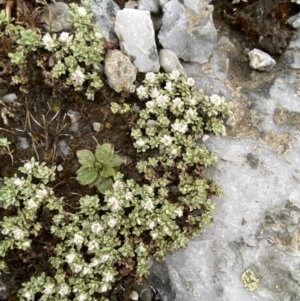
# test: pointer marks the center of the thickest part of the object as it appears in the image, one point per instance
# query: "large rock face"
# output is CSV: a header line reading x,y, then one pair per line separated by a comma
x,y
188,30
134,29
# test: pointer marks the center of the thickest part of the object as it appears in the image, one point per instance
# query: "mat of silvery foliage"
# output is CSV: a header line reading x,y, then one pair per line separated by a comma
x,y
77,54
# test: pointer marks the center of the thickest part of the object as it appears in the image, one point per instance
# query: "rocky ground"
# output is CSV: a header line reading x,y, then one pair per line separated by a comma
x,y
256,223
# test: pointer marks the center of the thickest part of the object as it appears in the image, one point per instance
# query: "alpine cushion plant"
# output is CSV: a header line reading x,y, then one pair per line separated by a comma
x,y
98,170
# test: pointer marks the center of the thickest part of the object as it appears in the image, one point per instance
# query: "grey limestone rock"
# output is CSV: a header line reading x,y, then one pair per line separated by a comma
x,y
134,29
54,17
260,60
188,30
150,5
105,12
169,61
294,21
120,71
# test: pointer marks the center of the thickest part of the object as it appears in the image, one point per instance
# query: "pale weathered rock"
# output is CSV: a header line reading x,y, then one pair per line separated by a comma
x,y
260,60
188,30
294,21
98,127
162,3
134,29
55,17
9,98
105,12
150,5
120,71
169,61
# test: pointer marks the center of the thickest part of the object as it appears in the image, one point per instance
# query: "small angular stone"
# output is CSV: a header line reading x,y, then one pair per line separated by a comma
x,y
294,21
150,5
260,60
9,98
134,29
120,71
170,62
98,127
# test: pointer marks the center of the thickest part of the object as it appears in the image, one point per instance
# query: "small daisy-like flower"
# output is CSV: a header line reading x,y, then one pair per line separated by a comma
x,y
190,82
128,195
141,92
178,212
18,182
169,86
82,297
81,11
48,42
96,228
118,185
77,268
48,289
140,143
113,203
28,166
216,99
174,75
149,205
18,234
105,257
177,102
150,77
180,127
78,77
150,105
154,93
64,290
93,245
162,100
70,257
166,140
78,239
112,222
41,193
32,204
65,38
108,276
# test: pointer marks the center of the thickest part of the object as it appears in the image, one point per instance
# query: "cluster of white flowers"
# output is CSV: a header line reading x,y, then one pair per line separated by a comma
x,y
78,77
178,212
18,182
78,239
96,228
81,11
18,234
140,143
175,75
77,268
169,86
190,82
141,92
32,204
93,245
118,185
41,193
166,140
65,38
148,205
162,101
150,77
28,166
70,257
177,102
82,297
114,203
105,257
108,276
49,289
64,290
128,195
180,127
112,222
216,99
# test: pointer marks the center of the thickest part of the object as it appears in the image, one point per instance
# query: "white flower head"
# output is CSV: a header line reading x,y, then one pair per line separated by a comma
x,y
118,185
82,297
190,82
150,105
32,204
81,11
70,257
151,224
41,193
48,289
94,262
27,295
78,239
18,234
140,143
169,86
96,228
77,268
48,42
150,77
65,38
154,93
166,140
112,222
216,99
86,271
64,290
28,166
141,92
93,245
162,100
105,257
180,127
128,195
78,77
149,205
177,102
104,288
18,182
114,203
175,75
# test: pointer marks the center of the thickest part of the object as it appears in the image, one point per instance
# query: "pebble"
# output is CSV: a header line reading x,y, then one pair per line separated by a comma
x,y
98,127
9,98
23,142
